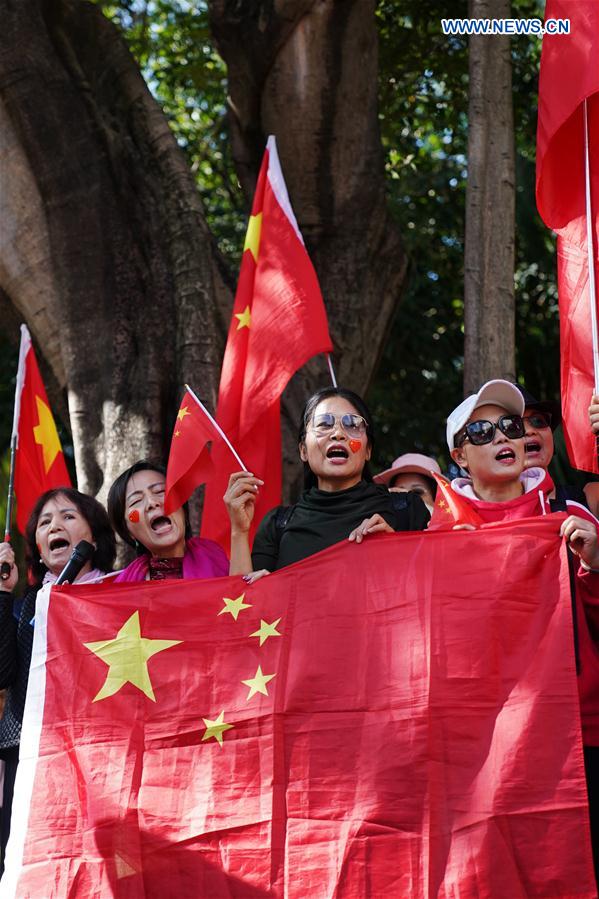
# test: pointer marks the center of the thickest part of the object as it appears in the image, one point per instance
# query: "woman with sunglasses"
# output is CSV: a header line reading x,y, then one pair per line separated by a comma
x,y
340,500
486,437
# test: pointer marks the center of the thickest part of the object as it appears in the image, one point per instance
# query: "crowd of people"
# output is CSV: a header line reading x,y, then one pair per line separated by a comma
x,y
501,439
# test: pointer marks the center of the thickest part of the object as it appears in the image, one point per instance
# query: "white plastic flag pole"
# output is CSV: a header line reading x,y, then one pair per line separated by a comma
x,y
332,370
216,425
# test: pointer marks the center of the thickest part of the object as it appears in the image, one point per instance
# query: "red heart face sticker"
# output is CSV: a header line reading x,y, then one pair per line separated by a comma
x,y
133,516
355,446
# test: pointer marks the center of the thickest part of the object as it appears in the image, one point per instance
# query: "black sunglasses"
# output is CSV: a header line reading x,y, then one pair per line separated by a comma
x,y
538,420
481,432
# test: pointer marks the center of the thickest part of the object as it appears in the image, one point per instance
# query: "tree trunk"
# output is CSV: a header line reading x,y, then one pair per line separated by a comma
x,y
489,346
306,71
104,249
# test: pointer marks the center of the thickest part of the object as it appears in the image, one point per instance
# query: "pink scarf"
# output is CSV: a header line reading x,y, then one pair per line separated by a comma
x,y
202,559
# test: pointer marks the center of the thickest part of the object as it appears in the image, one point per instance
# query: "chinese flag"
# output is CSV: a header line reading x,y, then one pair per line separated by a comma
x,y
279,322
569,75
189,462
350,726
39,460
450,508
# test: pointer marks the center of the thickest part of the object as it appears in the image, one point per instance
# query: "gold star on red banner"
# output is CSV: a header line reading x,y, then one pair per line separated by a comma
x,y
257,683
266,630
183,411
234,606
127,657
216,728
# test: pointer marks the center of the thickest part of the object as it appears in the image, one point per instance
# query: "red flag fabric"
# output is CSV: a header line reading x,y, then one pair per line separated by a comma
x,y
450,508
350,726
189,462
278,323
39,459
569,75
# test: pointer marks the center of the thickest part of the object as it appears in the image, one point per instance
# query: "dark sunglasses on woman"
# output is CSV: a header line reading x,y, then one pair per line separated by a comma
x,y
539,420
480,432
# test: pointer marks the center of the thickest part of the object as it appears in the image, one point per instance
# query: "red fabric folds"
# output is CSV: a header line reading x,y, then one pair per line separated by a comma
x,y
378,720
569,75
278,323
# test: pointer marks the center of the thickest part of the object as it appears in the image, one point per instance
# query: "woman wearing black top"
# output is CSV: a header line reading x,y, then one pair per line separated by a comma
x,y
339,501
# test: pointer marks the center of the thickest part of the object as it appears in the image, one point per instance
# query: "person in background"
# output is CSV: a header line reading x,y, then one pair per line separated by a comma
x,y
340,500
412,472
60,519
165,547
486,437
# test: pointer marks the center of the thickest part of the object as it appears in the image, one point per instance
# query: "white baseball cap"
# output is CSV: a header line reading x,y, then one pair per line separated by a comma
x,y
496,393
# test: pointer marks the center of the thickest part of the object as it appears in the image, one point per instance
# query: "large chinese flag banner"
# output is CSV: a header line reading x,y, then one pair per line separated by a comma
x,y
379,720
569,75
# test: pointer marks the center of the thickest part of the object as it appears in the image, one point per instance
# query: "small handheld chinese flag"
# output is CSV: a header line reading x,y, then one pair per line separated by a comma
x,y
450,508
278,323
189,461
39,459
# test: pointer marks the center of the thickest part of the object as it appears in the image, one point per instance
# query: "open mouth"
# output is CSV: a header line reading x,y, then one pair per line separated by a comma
x,y
505,455
57,543
160,523
337,452
532,447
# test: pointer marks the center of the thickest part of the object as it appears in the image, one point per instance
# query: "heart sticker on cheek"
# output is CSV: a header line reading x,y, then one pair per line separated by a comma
x,y
133,516
355,446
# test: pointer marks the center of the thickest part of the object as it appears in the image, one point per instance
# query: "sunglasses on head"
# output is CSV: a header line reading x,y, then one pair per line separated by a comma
x,y
480,432
538,420
352,424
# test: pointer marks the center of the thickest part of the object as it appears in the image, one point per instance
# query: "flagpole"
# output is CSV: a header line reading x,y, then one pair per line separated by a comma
x,y
23,349
216,425
331,370
590,257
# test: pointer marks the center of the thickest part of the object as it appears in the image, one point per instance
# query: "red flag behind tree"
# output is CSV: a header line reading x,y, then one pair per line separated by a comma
x,y
278,323
39,460
569,74
349,726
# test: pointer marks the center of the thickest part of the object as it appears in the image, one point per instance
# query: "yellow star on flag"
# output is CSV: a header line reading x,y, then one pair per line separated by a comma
x,y
245,318
257,683
127,657
252,236
182,413
442,504
45,434
216,728
266,630
177,433
234,606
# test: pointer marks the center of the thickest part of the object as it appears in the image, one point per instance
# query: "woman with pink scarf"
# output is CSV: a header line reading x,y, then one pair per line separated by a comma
x,y
164,543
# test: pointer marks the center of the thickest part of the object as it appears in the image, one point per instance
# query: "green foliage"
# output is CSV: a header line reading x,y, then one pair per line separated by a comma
x,y
170,39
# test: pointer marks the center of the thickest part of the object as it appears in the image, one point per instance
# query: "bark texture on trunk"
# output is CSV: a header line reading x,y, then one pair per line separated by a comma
x,y
105,252
489,317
